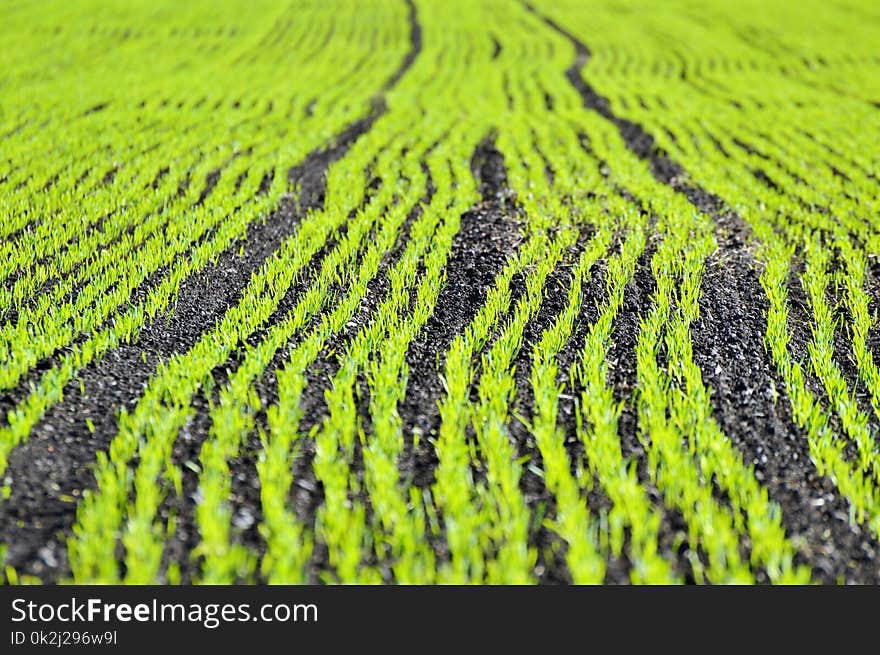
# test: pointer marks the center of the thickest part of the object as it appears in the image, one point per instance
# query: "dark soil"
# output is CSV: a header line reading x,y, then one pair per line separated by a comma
x,y
728,348
487,239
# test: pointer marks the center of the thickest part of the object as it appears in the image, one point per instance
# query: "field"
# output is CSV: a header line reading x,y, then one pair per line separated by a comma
x,y
410,291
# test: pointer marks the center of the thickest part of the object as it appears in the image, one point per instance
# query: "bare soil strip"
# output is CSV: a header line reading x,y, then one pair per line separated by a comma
x,y
487,239
729,349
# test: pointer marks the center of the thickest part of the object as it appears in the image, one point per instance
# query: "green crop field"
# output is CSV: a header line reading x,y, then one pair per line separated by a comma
x,y
459,291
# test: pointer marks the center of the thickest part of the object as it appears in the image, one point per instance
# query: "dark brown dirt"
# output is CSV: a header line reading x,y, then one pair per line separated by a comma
x,y
728,348
487,239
